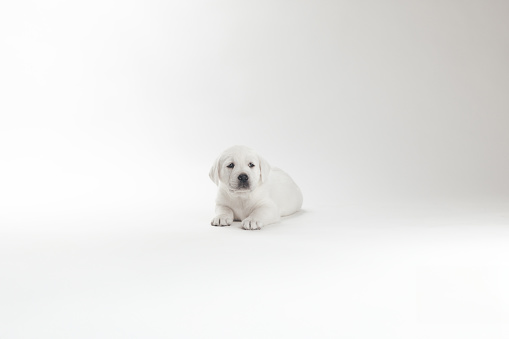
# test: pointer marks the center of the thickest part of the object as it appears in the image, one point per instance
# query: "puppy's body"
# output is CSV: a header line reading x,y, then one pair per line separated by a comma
x,y
279,190
251,191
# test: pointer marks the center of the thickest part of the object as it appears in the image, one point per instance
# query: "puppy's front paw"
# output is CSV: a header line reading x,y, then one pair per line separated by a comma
x,y
222,220
251,224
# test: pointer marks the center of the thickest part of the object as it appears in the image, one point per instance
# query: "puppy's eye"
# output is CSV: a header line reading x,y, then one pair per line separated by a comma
x,y
251,164
231,165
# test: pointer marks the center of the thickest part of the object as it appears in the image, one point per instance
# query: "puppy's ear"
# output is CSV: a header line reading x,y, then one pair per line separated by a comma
x,y
214,171
264,169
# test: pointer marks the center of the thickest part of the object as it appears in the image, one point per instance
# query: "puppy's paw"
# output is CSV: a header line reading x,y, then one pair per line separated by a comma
x,y
222,220
251,224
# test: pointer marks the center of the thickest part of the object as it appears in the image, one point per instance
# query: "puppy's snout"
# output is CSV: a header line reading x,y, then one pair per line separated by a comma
x,y
243,177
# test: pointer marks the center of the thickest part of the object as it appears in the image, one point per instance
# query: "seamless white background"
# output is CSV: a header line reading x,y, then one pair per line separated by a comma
x,y
392,116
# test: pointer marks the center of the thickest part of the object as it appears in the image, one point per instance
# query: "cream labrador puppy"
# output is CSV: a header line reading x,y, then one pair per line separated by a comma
x,y
251,191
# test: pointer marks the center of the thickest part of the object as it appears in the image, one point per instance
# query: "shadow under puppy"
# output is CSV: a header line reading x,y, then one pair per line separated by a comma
x,y
251,191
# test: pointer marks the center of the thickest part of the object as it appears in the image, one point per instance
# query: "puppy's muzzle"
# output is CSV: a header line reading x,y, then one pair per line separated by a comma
x,y
243,183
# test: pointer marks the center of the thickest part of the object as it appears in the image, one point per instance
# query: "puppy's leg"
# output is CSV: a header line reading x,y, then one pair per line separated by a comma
x,y
263,215
224,216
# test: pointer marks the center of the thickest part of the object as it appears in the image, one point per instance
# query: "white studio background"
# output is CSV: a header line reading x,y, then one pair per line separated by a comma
x,y
111,112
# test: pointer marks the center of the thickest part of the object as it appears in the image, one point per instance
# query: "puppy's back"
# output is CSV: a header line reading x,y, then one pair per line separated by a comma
x,y
284,192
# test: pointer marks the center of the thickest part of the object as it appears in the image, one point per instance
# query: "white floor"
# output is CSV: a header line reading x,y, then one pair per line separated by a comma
x,y
435,270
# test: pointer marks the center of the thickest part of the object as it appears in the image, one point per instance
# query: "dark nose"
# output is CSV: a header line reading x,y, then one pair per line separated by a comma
x,y
243,177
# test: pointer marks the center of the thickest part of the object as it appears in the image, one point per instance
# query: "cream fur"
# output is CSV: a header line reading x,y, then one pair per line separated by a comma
x,y
271,193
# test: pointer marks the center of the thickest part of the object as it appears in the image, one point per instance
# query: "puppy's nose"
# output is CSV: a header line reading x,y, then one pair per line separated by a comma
x,y
243,177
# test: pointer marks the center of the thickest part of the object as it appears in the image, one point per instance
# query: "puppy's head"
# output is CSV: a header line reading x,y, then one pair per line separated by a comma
x,y
239,169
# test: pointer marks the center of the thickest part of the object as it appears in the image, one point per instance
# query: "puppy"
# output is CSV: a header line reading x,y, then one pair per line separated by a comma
x,y
251,191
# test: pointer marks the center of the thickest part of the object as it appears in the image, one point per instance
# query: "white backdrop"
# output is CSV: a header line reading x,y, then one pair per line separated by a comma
x,y
111,113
